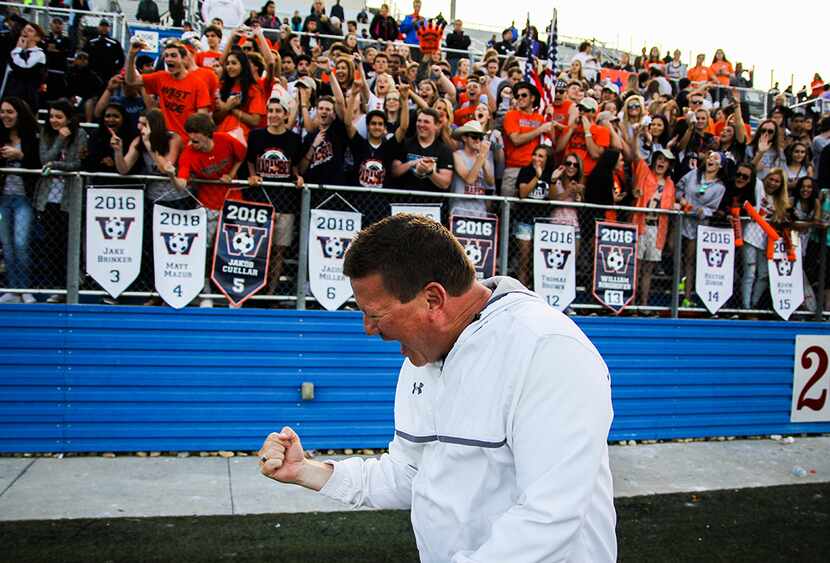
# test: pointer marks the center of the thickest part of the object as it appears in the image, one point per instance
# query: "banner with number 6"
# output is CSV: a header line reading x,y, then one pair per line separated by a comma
x,y
329,236
554,263
715,266
114,231
179,251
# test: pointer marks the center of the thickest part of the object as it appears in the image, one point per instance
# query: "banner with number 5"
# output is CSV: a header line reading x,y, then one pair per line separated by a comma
x,y
179,251
786,282
329,236
243,249
811,381
114,231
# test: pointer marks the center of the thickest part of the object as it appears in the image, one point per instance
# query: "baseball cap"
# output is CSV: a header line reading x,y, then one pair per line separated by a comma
x,y
588,103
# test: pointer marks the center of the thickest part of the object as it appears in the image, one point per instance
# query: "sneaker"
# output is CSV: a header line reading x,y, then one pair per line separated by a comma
x,y
9,298
206,303
28,298
57,298
109,300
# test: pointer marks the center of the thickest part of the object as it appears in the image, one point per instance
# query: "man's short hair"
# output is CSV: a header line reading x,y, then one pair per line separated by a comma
x,y
178,47
303,57
382,55
375,113
433,113
409,251
213,29
329,99
200,123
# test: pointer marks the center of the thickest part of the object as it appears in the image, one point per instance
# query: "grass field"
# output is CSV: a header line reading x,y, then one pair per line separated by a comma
x,y
789,523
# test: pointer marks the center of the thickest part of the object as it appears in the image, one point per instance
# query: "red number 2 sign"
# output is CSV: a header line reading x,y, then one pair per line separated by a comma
x,y
811,382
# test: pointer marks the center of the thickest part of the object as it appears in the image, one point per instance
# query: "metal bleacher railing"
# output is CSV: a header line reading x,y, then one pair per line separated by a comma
x,y
666,285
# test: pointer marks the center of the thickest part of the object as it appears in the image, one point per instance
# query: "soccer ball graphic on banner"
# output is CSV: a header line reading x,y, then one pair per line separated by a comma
x,y
115,228
243,242
334,247
178,243
473,252
556,258
615,261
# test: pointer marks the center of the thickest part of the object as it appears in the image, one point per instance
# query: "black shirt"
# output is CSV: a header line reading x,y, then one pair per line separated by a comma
x,y
273,157
370,162
326,164
411,150
542,189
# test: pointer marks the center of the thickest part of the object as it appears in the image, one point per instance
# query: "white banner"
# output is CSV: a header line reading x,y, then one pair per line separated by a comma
x,y
715,266
179,251
554,263
114,230
811,382
329,236
431,211
786,281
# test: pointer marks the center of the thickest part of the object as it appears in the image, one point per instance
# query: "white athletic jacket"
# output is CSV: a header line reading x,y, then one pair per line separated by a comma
x,y
501,451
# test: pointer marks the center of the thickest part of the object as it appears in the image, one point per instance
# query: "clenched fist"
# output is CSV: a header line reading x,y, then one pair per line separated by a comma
x,y
281,458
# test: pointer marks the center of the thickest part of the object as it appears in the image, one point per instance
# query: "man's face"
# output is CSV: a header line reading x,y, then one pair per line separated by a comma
x,y
212,40
425,126
492,68
457,25
103,30
325,112
173,59
287,65
199,141
377,127
30,34
416,6
797,124
700,59
524,99
217,22
473,90
312,26
318,7
276,115
385,316
302,67
57,26
380,65
394,64
695,103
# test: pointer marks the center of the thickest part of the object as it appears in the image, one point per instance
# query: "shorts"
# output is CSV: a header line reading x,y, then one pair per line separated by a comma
x,y
509,182
284,229
647,245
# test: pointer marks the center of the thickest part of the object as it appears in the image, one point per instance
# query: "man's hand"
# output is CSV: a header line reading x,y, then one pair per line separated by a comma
x,y
281,456
115,83
254,180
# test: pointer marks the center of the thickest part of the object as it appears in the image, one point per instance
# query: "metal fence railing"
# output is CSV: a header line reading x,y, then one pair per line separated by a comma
x,y
77,19
53,253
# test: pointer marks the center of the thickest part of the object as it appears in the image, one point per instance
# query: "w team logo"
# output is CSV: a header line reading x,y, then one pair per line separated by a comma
x,y
784,267
556,258
334,247
715,256
178,243
243,240
115,228
477,250
615,259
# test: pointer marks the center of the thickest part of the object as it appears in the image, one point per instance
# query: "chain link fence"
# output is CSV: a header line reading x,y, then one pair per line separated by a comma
x,y
43,248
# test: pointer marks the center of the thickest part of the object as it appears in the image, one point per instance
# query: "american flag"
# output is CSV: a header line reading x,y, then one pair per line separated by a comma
x,y
549,74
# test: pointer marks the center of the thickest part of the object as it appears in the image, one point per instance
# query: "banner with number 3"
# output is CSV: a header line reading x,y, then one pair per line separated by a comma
x,y
114,231
329,236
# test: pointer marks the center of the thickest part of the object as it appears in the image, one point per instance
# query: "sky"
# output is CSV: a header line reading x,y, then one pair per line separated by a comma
x,y
791,46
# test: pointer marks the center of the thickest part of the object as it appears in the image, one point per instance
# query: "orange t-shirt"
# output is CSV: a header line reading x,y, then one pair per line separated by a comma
x,y
255,105
178,99
560,112
578,145
719,125
463,115
721,66
699,74
516,121
206,58
646,181
210,79
227,151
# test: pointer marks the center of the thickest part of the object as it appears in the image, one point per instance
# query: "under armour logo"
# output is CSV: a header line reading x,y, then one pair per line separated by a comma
x,y
419,387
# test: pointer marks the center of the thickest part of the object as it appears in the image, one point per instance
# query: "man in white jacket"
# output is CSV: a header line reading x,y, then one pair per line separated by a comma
x,y
231,12
502,410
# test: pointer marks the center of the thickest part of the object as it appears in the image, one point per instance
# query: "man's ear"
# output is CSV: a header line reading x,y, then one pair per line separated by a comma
x,y
436,296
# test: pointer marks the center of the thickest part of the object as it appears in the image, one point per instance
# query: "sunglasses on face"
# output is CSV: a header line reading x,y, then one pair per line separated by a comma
x,y
742,176
768,130
634,106
523,95
571,163
696,102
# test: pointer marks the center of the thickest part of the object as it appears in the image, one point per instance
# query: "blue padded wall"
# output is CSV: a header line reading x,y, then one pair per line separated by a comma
x,y
100,378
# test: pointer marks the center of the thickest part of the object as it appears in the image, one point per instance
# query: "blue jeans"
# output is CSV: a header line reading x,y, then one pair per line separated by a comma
x,y
15,232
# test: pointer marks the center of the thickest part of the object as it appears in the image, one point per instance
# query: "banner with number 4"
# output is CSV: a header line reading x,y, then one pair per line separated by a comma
x,y
179,251
714,271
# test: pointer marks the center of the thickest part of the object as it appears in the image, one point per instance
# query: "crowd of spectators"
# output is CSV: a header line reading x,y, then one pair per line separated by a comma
x,y
284,101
